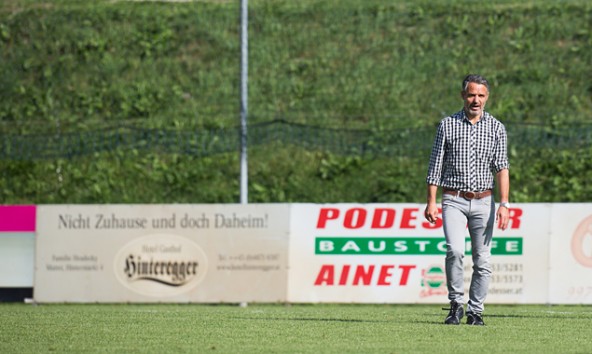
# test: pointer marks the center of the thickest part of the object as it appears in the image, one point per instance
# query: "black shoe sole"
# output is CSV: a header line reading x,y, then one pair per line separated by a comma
x,y
476,324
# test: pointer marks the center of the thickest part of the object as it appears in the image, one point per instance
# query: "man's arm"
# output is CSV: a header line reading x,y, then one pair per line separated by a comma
x,y
431,210
435,174
503,183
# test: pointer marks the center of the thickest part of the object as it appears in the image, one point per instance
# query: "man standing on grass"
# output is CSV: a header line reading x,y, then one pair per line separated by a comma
x,y
469,150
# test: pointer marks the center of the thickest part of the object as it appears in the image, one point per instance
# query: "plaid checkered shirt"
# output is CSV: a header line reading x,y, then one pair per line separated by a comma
x,y
465,156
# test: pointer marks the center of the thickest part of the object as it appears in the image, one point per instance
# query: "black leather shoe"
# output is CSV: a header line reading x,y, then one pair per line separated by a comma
x,y
475,319
455,314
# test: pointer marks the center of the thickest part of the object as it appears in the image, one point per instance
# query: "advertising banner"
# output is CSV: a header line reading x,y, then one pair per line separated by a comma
x,y
17,245
339,253
161,253
388,253
571,254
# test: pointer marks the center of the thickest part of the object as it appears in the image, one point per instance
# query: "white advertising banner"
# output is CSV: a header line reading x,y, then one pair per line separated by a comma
x,y
571,254
339,253
388,253
161,253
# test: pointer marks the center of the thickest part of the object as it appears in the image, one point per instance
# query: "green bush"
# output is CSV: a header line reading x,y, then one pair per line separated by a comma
x,y
72,66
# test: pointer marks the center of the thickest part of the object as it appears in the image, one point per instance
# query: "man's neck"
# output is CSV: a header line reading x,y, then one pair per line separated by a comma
x,y
473,119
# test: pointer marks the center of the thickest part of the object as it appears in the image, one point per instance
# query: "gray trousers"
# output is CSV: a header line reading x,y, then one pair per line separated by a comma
x,y
479,216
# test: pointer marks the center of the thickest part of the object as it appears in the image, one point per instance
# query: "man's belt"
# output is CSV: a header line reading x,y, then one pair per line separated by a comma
x,y
468,195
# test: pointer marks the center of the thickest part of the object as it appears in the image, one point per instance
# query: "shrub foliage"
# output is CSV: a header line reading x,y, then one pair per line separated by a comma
x,y
70,67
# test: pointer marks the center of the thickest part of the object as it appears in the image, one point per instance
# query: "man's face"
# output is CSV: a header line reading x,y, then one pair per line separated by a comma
x,y
474,99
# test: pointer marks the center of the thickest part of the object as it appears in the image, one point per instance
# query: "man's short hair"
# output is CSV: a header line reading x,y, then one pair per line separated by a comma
x,y
478,79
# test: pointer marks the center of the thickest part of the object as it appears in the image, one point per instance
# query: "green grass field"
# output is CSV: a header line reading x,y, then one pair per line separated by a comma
x,y
167,328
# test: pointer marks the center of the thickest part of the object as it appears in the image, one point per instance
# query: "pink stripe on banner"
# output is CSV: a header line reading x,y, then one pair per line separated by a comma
x,y
17,218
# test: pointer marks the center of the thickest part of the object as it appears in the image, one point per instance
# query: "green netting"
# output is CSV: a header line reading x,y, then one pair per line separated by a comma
x,y
412,142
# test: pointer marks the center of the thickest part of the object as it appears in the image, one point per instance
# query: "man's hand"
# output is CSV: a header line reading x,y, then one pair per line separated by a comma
x,y
502,217
431,213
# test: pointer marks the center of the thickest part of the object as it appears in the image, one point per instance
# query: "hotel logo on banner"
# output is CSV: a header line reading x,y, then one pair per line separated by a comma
x,y
160,265
582,236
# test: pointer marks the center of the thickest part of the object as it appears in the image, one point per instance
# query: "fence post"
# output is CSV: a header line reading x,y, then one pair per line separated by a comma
x,y
244,199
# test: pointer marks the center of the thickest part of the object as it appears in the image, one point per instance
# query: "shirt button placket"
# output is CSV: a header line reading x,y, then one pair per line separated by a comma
x,y
473,157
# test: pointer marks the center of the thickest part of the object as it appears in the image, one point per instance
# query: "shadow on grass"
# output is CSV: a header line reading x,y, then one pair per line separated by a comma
x,y
570,316
432,319
346,320
549,316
